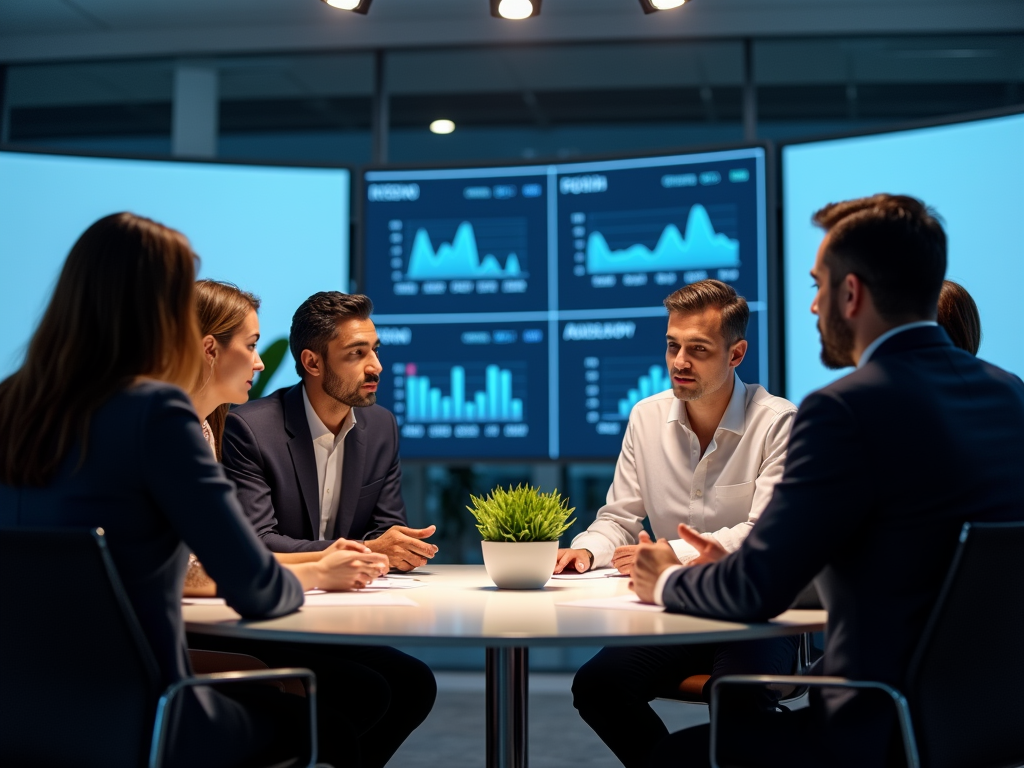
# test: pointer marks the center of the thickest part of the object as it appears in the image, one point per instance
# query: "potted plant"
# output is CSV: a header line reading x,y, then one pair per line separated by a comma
x,y
520,528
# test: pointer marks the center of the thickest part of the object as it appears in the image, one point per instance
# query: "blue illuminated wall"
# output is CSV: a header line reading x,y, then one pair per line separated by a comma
x,y
972,173
279,232
520,308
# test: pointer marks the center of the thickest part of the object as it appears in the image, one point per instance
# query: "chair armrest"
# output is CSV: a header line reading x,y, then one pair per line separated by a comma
x,y
163,707
902,707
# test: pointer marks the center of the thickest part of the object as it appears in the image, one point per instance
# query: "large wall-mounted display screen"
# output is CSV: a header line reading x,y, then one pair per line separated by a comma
x,y
280,232
972,173
520,308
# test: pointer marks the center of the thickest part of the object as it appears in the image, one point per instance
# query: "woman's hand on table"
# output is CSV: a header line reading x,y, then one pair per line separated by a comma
x,y
340,570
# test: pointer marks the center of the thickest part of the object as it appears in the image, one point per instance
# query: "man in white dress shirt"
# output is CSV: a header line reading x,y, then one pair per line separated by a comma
x,y
707,453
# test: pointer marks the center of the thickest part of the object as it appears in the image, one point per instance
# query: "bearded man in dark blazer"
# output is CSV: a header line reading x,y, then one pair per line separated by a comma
x,y
884,466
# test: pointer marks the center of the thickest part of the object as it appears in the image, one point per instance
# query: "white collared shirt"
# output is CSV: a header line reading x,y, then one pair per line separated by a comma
x,y
660,473
329,450
874,345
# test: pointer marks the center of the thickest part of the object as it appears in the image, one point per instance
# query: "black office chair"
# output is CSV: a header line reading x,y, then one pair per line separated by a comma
x,y
79,685
982,597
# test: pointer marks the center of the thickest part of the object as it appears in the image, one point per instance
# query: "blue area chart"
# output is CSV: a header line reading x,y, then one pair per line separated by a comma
x,y
700,248
425,404
459,259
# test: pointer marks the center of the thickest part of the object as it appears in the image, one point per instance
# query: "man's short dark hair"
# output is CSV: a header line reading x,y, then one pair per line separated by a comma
x,y
895,244
706,294
315,322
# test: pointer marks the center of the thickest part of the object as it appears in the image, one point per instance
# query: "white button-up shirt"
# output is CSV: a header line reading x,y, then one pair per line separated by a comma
x,y
661,473
329,450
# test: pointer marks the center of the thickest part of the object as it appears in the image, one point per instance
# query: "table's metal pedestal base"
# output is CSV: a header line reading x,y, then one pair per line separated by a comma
x,y
508,677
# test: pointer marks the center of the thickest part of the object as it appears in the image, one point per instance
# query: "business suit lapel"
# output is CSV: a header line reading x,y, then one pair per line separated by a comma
x,y
300,447
351,481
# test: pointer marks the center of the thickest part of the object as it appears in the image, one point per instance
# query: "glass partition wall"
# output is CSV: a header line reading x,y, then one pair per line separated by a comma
x,y
508,104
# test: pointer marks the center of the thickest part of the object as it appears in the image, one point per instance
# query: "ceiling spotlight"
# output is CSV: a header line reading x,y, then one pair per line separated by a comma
x,y
515,9
652,6
442,126
358,6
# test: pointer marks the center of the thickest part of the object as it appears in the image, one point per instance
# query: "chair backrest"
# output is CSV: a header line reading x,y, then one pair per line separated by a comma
x,y
79,684
966,680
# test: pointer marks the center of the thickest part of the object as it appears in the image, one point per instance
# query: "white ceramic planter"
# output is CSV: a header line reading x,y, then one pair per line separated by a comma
x,y
520,564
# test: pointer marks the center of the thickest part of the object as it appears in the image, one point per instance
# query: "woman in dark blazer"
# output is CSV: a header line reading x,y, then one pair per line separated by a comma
x,y
95,432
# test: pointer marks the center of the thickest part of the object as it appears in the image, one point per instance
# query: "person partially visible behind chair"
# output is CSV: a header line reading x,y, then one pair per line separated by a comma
x,y
958,316
94,433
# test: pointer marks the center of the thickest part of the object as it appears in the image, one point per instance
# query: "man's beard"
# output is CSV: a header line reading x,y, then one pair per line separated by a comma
x,y
352,396
836,339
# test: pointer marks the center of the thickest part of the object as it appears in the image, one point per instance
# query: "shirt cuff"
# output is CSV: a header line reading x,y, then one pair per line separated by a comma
x,y
659,587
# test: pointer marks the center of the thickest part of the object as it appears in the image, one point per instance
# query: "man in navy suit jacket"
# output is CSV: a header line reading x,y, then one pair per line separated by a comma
x,y
884,466
319,461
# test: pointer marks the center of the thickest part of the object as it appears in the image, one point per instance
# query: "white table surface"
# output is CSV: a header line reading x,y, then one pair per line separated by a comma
x,y
460,606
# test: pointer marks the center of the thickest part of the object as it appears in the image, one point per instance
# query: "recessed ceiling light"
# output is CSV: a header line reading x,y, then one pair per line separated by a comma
x,y
442,126
515,9
652,6
359,6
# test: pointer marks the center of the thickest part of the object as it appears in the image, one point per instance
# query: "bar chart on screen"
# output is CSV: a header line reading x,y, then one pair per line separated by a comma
x,y
491,402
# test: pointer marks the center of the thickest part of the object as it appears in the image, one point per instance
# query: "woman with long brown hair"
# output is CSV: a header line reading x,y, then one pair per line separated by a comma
x,y
95,432
395,691
230,328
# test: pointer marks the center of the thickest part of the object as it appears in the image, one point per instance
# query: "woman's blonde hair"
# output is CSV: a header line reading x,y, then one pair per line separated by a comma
x,y
121,309
221,309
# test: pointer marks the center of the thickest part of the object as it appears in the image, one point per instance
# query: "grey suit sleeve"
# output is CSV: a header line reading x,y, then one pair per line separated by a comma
x,y
813,513
243,464
189,486
390,509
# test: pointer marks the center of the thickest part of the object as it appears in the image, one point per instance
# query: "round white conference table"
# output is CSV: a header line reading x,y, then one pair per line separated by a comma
x,y
459,606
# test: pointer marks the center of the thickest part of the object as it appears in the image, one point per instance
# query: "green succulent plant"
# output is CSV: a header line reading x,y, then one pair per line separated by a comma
x,y
272,358
522,513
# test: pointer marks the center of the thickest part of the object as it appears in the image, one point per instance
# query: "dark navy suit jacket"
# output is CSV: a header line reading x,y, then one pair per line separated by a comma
x,y
151,482
884,467
268,453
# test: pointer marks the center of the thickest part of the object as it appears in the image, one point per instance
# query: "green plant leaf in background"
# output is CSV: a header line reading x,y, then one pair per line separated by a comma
x,y
521,514
272,357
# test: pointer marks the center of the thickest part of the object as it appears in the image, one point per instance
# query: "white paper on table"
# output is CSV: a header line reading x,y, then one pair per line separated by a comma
x,y
622,603
393,582
597,573
334,599
203,601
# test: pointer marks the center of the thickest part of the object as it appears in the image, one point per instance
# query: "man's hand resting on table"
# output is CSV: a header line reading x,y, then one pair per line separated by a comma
x,y
653,559
404,547
579,559
623,558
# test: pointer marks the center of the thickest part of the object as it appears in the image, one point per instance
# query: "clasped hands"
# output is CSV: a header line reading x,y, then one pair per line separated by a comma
x,y
354,565
653,558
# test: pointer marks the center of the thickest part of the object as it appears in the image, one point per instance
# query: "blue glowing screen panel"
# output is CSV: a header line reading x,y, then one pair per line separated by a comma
x,y
279,232
455,243
972,173
520,308
632,232
481,388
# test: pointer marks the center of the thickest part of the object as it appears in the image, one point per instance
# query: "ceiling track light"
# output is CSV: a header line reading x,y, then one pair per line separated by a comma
x,y
515,9
653,6
356,6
